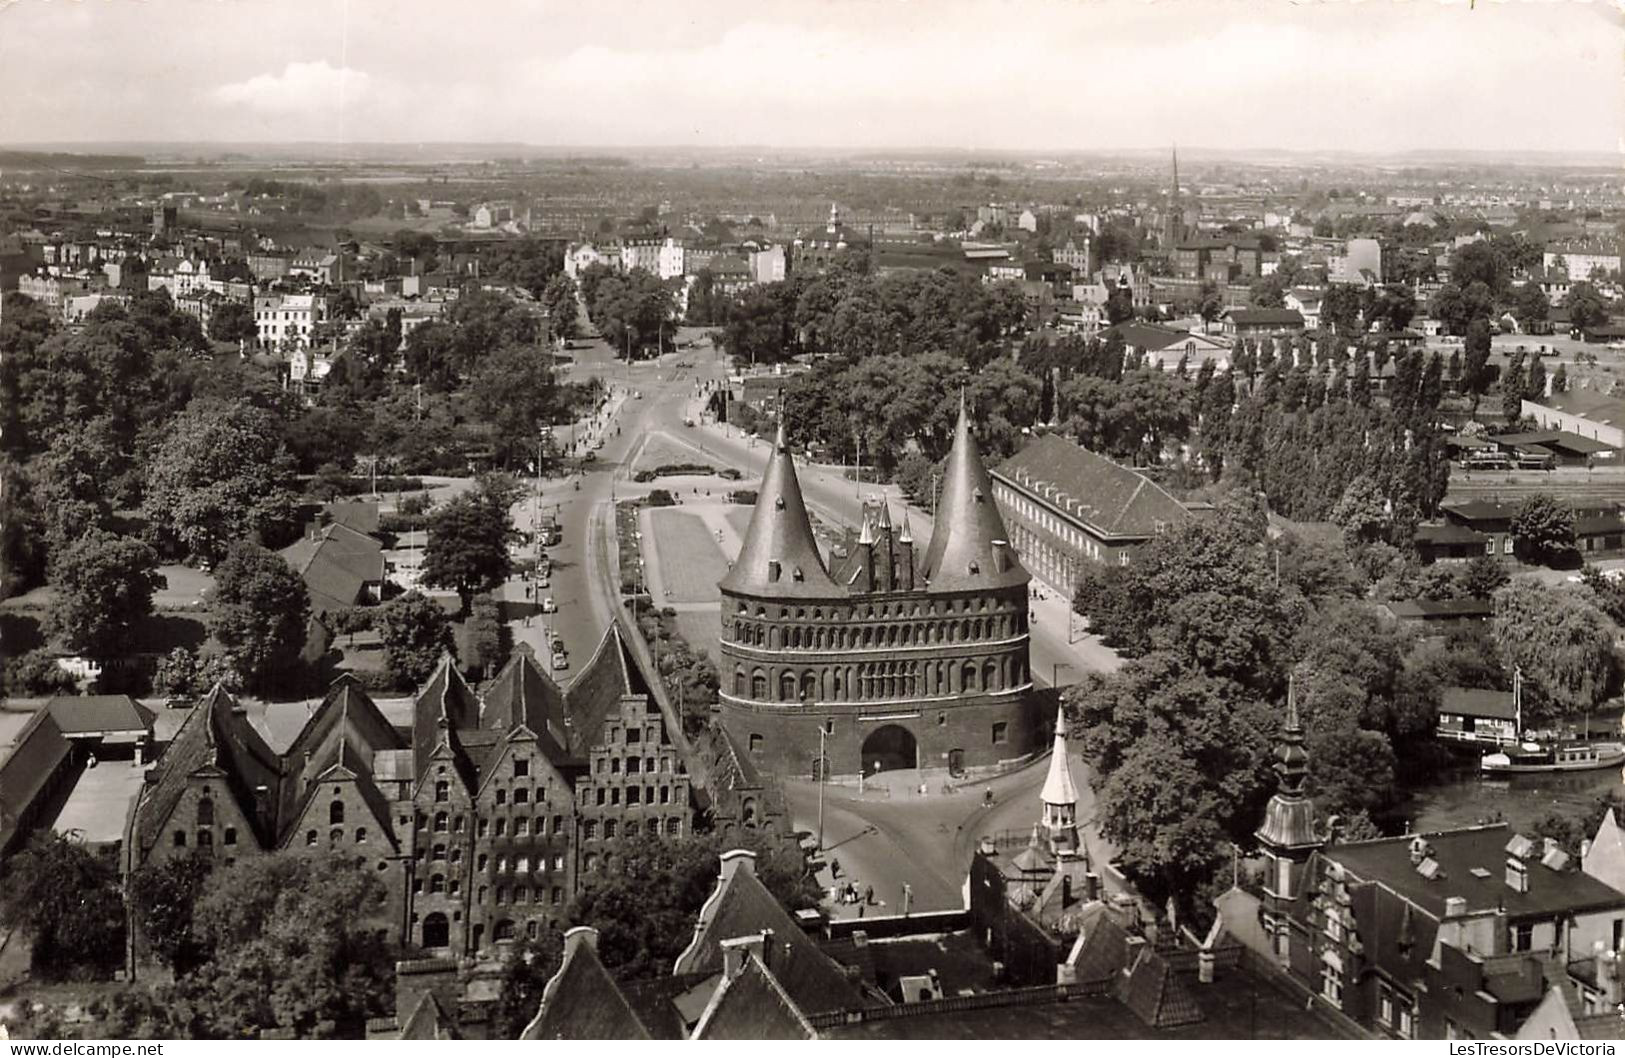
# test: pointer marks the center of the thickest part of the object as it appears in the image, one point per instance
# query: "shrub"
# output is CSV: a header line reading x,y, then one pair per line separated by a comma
x,y
660,498
743,496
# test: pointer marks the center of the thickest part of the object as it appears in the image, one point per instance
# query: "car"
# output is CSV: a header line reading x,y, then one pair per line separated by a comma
x,y
560,662
549,606
688,422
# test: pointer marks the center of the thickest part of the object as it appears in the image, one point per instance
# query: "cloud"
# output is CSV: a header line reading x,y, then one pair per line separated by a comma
x,y
301,87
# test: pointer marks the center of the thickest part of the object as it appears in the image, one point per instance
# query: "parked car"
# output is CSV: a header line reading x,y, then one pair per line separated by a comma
x,y
561,662
549,606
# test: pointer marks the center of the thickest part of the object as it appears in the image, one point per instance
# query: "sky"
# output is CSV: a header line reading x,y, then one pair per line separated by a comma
x,y
1031,75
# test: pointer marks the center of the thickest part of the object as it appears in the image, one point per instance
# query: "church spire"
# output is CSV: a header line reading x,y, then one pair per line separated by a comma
x,y
969,546
1059,795
1289,819
779,555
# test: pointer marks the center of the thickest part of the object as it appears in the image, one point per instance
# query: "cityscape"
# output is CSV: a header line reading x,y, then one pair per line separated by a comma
x,y
827,522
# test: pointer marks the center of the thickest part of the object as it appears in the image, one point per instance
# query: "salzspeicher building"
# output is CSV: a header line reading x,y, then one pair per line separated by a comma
x,y
889,656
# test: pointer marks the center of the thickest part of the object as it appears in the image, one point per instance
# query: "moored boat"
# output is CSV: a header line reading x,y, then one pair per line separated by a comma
x,y
1529,757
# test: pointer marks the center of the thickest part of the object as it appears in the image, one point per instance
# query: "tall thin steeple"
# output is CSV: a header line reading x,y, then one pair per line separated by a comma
x,y
1287,837
779,555
1174,226
969,546
1059,795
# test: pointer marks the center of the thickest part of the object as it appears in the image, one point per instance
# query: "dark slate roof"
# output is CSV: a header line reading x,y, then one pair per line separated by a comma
x,y
359,515
1113,499
654,1001
336,566
742,906
597,692
753,1006
583,1002
428,1021
1156,993
1481,511
217,735
1449,533
100,713
962,555
524,694
1472,701
1596,524
1148,336
780,533
445,697
38,752
1266,317
1387,861
1104,952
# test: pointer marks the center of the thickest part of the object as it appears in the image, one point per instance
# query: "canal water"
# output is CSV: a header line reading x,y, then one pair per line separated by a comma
x,y
1462,798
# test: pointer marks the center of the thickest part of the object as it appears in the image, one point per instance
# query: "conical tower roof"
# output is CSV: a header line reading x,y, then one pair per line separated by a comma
x,y
780,556
1058,788
969,546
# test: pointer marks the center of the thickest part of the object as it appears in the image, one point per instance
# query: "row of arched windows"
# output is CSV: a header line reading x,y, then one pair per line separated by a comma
x,y
856,637
881,680
961,604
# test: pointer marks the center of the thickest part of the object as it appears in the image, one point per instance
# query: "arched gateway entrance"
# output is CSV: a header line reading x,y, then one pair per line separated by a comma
x,y
889,748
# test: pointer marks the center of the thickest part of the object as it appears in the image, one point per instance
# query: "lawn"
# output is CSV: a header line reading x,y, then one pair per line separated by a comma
x,y
662,450
739,518
690,562
701,629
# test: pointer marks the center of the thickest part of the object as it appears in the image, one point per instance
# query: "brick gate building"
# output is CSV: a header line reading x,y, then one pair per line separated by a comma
x,y
887,656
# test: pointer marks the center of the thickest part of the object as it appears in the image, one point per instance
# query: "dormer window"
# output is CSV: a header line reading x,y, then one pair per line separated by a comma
x,y
773,570
975,568
778,503
797,576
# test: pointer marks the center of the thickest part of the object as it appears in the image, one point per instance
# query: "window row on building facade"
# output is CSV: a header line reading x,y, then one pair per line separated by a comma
x,y
881,680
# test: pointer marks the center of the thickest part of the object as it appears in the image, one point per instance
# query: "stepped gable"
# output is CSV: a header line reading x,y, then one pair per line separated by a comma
x,y
446,701
596,694
752,1005
524,695
970,548
780,558
217,737
582,1001
742,906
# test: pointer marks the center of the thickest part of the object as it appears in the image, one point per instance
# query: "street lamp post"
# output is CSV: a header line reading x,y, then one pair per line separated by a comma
x,y
823,769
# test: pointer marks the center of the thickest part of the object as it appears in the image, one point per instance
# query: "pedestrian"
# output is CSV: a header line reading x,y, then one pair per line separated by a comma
x,y
987,797
868,894
835,867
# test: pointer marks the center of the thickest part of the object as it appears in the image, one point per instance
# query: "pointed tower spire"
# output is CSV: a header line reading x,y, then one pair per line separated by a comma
x,y
1060,796
969,546
1287,836
779,555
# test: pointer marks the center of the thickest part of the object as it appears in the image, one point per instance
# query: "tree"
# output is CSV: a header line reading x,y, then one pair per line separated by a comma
x,y
184,673
1475,371
468,546
643,903
1586,306
1179,764
1512,388
1561,641
104,586
1560,379
1535,387
295,946
1363,512
415,633
233,321
525,974
219,474
65,895
258,611
559,299
488,637
1531,306
162,897
1210,306
514,390
36,674
1483,577
1543,530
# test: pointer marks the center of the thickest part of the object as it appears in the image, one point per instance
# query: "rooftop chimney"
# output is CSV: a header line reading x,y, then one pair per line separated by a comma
x,y
737,951
1455,906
